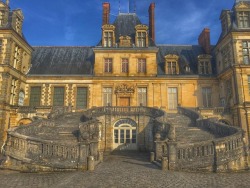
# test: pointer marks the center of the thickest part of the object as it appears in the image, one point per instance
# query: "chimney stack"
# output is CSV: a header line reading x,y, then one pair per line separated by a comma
x,y
151,12
105,14
204,40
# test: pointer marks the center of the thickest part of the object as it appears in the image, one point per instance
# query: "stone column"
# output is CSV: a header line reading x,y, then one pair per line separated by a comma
x,y
172,155
152,157
164,163
91,163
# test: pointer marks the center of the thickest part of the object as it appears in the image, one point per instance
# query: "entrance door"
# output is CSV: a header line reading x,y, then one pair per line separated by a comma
x,y
124,101
125,137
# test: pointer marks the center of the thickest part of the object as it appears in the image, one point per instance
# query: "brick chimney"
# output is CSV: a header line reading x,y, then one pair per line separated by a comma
x,y
204,40
105,14
151,12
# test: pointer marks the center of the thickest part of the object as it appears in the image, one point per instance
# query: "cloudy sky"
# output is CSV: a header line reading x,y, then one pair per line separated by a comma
x,y
78,22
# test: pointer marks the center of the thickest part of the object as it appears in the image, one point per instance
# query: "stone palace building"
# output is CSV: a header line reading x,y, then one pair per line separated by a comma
x,y
127,69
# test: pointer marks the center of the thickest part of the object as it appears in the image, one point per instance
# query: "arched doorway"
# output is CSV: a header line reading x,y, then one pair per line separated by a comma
x,y
125,135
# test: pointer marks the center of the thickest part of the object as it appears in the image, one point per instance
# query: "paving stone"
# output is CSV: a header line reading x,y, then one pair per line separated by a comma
x,y
124,169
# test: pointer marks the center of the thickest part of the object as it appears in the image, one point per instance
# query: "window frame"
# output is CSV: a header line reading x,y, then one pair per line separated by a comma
x,y
243,19
207,97
246,54
124,65
81,103
107,96
142,65
108,65
56,96
142,94
35,96
172,98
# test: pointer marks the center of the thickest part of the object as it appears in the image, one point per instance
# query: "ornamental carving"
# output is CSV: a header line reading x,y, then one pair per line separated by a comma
x,y
124,89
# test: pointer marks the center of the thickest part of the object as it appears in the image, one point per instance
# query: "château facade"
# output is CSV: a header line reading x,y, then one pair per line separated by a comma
x,y
127,68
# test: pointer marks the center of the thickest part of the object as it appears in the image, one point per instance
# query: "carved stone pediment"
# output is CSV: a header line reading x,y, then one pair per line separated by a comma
x,y
124,89
204,56
108,27
171,56
141,27
242,5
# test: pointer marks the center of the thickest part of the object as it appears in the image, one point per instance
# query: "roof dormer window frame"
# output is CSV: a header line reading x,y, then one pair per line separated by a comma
x,y
243,19
108,36
172,64
141,36
204,64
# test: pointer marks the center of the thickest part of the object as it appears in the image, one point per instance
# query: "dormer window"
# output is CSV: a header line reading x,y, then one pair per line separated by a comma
x,y
204,64
204,67
171,64
171,67
108,36
141,39
108,39
141,36
187,68
243,19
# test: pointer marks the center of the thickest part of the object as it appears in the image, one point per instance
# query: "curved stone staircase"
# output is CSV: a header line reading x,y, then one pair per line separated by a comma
x,y
186,131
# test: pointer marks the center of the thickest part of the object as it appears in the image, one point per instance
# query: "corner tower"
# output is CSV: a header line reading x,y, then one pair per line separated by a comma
x,y
15,56
233,64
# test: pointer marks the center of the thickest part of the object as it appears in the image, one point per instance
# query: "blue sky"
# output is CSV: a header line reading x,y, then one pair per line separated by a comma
x,y
78,22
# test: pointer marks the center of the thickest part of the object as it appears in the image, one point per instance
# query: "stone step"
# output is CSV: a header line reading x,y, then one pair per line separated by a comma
x,y
185,129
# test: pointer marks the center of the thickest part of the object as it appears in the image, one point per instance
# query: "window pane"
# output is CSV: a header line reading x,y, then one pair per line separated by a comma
x,y
81,99
116,136
207,97
128,136
35,96
142,96
107,96
58,99
172,98
133,136
121,136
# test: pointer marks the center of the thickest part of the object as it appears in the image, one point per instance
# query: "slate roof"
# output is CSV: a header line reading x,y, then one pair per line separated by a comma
x,y
188,55
62,61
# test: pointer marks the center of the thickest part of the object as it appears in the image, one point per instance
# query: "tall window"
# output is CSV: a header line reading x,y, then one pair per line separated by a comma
x,y
16,57
204,67
249,85
1,18
207,97
58,99
142,96
246,52
81,98
141,65
243,19
35,96
172,98
107,96
171,67
108,39
18,25
13,91
124,65
108,63
21,98
141,39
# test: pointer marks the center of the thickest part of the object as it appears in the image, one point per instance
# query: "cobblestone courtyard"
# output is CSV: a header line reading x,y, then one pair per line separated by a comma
x,y
124,170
